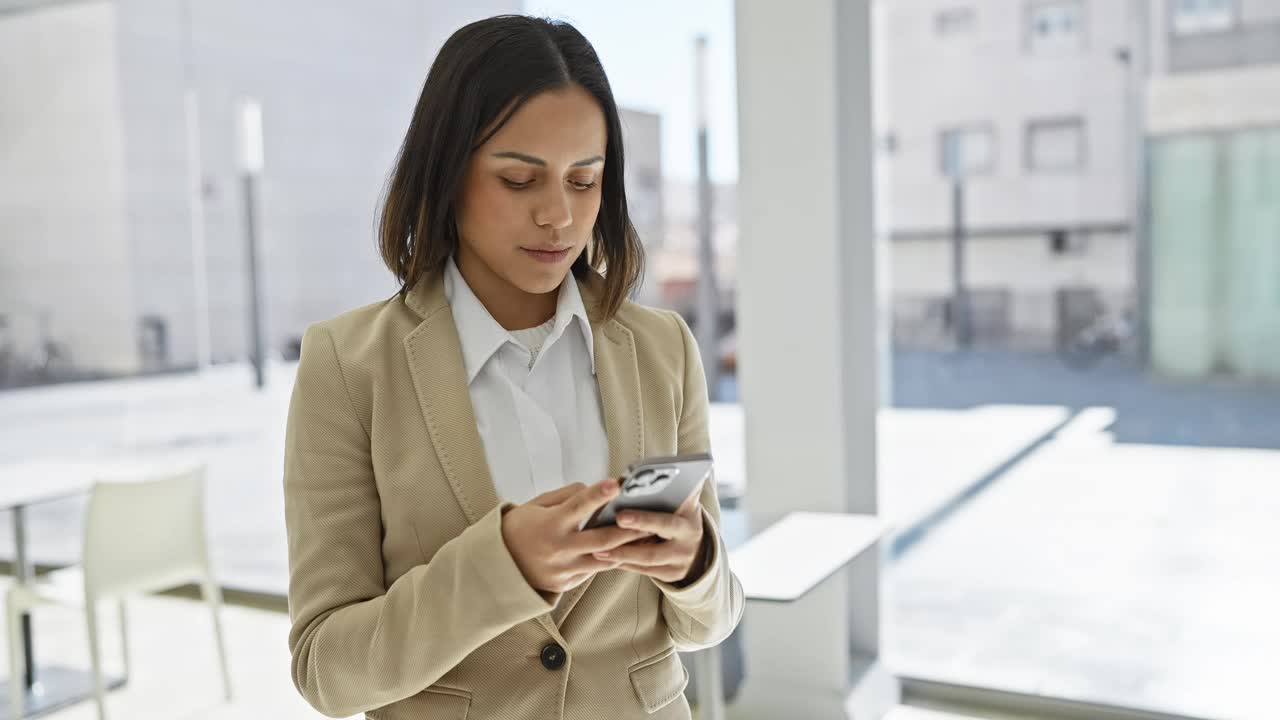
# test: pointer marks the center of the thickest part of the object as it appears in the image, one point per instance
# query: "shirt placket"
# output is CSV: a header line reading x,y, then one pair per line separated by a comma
x,y
541,439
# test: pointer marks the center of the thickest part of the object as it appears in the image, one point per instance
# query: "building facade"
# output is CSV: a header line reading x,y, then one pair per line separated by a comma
x,y
1033,98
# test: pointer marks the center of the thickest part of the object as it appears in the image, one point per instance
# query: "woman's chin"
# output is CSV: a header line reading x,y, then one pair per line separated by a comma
x,y
541,280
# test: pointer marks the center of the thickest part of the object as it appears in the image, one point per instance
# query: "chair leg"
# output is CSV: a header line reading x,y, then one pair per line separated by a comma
x,y
213,596
124,636
95,657
17,665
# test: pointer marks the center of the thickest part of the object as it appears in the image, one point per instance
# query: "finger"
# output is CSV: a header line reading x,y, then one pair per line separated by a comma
x,y
589,564
605,538
667,525
559,495
579,507
643,554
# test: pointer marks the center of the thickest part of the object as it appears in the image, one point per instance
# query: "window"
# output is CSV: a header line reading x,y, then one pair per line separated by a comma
x,y
1056,25
1055,145
1199,16
954,21
967,151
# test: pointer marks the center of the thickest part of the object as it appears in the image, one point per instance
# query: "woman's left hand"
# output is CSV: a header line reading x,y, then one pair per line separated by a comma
x,y
673,553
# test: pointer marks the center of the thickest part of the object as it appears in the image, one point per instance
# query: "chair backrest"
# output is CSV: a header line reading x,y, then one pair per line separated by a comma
x,y
145,535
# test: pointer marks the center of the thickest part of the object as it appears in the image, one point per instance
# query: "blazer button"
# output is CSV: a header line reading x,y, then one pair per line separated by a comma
x,y
553,657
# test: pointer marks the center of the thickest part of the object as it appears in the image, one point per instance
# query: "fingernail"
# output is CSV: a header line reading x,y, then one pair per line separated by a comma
x,y
626,519
604,555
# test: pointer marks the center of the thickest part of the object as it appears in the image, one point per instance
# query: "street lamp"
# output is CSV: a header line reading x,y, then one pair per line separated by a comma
x,y
252,160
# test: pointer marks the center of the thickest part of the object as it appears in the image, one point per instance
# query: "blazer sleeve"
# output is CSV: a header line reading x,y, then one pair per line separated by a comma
x,y
357,644
704,612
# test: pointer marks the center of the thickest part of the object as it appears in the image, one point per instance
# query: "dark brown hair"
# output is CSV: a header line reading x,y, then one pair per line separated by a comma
x,y
484,73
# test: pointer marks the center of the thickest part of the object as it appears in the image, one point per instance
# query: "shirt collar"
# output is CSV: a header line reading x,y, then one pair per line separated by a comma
x,y
481,336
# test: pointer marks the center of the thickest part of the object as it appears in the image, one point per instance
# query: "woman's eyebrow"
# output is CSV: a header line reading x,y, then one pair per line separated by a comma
x,y
543,163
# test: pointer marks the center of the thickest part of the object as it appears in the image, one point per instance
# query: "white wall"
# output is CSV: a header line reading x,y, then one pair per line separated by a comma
x,y
63,245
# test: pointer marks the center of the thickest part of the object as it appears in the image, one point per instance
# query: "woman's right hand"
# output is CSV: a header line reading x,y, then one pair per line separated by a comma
x,y
543,538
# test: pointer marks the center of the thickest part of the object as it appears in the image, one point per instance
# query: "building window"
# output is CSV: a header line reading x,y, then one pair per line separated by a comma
x,y
1055,25
954,21
967,151
1191,17
1055,145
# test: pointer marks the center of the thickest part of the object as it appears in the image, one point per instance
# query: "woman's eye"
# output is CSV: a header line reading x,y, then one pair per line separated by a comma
x,y
517,185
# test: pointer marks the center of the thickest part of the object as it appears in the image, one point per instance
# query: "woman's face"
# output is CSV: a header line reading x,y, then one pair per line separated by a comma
x,y
530,196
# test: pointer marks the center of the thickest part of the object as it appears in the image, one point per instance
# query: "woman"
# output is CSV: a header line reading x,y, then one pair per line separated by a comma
x,y
445,445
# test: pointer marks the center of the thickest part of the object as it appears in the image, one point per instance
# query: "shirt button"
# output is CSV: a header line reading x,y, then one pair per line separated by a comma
x,y
553,657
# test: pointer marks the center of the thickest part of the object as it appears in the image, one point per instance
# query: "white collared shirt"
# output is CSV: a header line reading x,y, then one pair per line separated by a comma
x,y
534,392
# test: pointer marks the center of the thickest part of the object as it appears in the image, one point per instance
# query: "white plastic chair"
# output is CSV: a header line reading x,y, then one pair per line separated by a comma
x,y
140,537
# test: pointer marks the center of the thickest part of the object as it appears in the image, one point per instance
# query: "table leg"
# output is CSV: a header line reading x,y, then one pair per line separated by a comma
x,y
22,573
710,683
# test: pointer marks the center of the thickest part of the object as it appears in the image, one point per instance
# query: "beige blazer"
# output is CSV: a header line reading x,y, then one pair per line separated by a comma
x,y
405,603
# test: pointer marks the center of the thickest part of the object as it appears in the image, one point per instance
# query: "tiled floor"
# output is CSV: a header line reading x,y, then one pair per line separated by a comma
x,y
175,667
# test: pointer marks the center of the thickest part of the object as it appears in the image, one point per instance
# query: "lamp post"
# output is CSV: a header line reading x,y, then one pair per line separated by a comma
x,y
251,165
956,166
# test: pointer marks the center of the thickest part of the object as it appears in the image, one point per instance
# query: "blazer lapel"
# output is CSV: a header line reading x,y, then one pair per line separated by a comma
x,y
440,380
618,380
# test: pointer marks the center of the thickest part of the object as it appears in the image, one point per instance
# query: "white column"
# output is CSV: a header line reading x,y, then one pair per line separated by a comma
x,y
807,339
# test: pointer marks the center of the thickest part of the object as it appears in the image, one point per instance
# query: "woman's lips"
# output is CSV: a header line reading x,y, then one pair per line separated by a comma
x,y
547,256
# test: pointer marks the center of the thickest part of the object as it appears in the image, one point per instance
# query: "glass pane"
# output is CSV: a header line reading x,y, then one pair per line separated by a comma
x,y
1184,226
1088,520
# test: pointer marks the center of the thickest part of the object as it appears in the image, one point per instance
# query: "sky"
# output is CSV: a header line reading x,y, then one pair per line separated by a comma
x,y
647,51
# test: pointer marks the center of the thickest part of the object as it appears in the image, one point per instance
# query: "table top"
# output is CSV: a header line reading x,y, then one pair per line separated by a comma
x,y
794,555
30,482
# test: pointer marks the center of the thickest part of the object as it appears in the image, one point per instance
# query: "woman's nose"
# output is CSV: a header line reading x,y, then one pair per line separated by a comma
x,y
554,210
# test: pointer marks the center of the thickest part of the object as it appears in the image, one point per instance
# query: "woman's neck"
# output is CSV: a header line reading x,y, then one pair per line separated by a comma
x,y
513,308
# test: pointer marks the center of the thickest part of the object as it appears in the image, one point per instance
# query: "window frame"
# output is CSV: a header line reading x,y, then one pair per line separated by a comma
x,y
987,128
1059,121
1082,25
1171,9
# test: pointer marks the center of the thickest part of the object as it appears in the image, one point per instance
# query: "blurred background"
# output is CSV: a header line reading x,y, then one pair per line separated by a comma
x,y
1077,247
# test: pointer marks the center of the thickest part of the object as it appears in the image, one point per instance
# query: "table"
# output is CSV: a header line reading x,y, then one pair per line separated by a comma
x,y
22,485
781,565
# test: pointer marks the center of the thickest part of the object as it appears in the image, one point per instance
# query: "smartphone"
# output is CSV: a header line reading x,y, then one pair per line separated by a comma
x,y
659,484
